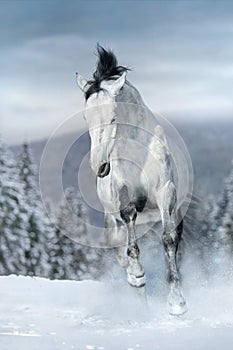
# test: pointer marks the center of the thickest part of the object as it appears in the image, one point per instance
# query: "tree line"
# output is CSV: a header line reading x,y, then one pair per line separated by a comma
x,y
30,244
208,229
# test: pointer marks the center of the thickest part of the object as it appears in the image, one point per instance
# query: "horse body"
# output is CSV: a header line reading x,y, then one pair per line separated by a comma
x,y
135,177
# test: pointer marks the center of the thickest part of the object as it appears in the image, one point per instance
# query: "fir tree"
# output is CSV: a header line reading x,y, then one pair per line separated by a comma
x,y
70,259
13,217
208,233
39,227
224,216
198,235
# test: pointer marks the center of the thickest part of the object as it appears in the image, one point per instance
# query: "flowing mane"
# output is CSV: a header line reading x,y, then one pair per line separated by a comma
x,y
107,68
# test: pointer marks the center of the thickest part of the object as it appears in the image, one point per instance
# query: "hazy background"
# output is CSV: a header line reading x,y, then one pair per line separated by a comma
x,y
181,53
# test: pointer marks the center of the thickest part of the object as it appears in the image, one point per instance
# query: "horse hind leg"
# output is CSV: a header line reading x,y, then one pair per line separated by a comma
x,y
171,237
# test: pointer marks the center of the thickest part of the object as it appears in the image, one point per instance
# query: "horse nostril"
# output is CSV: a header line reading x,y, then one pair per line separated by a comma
x,y
104,170
102,167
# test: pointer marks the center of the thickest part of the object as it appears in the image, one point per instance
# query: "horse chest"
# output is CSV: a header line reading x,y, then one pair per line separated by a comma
x,y
117,191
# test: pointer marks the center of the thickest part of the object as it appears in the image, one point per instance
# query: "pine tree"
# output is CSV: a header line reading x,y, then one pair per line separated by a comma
x,y
224,216
13,217
208,232
39,228
198,238
60,247
71,260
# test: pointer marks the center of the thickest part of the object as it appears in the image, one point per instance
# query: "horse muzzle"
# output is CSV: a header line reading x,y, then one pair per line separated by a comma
x,y
104,170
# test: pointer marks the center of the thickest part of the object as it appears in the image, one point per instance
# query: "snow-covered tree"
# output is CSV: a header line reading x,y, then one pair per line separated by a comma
x,y
70,259
14,240
39,228
207,224
198,236
224,216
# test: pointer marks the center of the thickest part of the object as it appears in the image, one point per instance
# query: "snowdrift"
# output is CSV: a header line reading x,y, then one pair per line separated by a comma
x,y
36,313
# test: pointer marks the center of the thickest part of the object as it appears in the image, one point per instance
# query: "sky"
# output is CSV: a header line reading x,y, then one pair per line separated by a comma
x,y
181,53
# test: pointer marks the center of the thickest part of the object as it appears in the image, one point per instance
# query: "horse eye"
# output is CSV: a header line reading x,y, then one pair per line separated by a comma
x,y
113,120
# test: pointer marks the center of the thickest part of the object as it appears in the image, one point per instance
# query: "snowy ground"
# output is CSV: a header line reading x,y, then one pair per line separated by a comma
x,y
40,314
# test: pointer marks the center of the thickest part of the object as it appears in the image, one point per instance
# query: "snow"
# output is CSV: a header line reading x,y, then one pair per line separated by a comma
x,y
36,313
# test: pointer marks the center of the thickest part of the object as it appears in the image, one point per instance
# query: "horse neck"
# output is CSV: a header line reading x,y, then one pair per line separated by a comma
x,y
129,94
133,110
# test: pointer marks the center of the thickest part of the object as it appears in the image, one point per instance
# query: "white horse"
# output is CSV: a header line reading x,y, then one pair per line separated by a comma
x,y
135,180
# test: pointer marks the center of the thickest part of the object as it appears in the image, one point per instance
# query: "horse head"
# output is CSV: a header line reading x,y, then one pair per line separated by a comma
x,y
101,116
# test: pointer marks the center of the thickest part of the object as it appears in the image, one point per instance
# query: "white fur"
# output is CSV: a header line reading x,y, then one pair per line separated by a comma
x,y
125,133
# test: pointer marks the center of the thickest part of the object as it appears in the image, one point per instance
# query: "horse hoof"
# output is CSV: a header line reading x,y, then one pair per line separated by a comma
x,y
177,304
177,309
135,281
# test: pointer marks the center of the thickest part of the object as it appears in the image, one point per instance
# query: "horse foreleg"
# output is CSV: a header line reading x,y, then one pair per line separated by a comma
x,y
171,237
135,271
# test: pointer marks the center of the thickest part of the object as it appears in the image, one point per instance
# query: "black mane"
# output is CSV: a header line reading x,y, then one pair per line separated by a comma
x,y
107,67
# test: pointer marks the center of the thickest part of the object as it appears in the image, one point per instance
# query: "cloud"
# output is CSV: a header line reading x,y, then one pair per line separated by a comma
x,y
181,52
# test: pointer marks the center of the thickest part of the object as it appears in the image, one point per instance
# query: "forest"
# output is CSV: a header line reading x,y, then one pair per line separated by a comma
x,y
33,244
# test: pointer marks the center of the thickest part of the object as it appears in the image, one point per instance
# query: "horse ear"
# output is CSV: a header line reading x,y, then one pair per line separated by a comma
x,y
115,87
82,83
